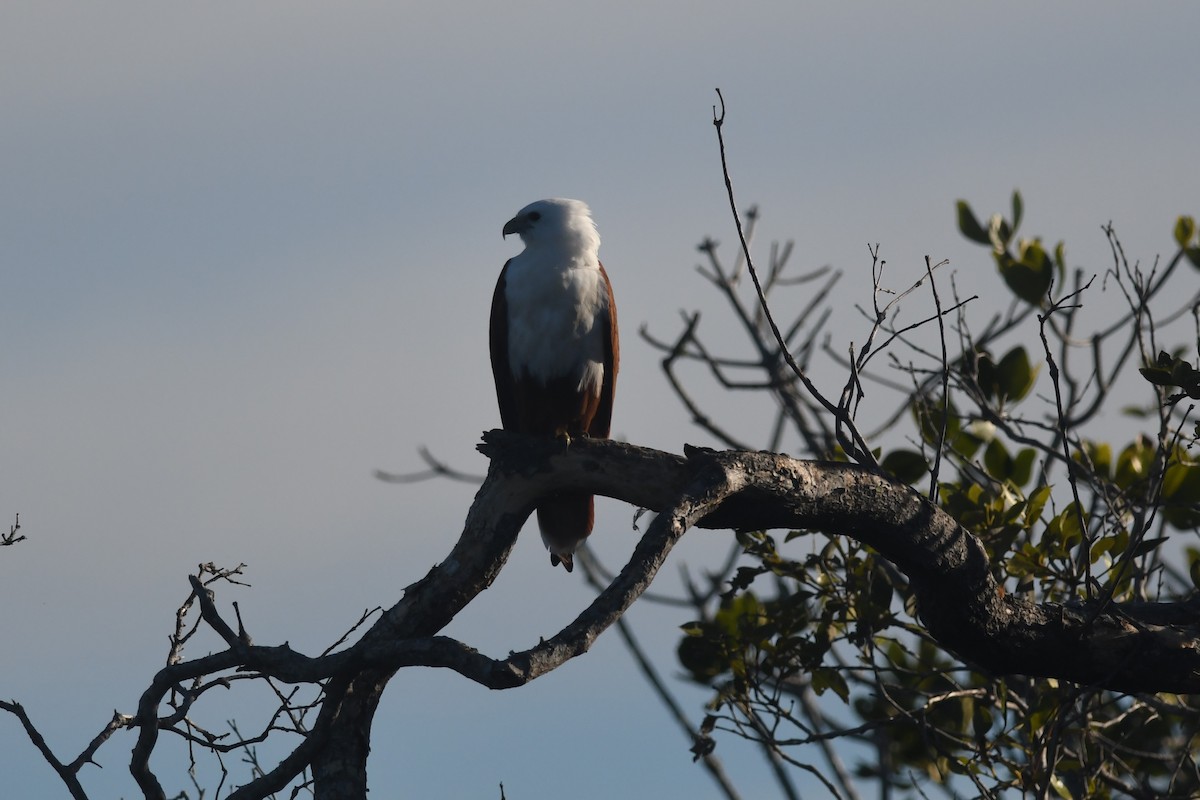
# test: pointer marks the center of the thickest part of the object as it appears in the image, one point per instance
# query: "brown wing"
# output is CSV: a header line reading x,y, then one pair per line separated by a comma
x,y
498,341
602,423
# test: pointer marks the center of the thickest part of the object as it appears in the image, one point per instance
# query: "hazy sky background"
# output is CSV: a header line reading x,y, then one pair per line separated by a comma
x,y
247,253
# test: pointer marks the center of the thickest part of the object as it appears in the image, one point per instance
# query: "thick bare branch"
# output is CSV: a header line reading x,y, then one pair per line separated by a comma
x,y
68,773
1127,647
1150,647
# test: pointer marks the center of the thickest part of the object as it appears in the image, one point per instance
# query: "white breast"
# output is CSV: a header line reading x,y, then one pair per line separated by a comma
x,y
554,313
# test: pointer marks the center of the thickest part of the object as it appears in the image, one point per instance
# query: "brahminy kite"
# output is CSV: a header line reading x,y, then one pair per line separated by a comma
x,y
554,348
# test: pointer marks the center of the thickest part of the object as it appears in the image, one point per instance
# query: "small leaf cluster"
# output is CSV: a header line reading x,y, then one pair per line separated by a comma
x,y
1173,371
1029,270
838,595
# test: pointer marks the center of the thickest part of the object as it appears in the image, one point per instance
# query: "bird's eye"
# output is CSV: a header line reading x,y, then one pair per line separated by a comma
x,y
534,216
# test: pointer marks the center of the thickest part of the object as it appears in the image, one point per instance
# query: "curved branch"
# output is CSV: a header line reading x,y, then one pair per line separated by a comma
x,y
710,485
1147,647
1130,647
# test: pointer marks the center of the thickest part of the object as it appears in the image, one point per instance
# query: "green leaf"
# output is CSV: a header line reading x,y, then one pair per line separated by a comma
x,y
982,721
1060,257
969,226
703,656
825,678
880,590
1181,495
1112,545
1169,370
1015,376
1017,208
1010,380
1134,462
1193,255
1185,229
1031,253
1038,716
1022,469
965,444
997,461
906,466
1037,502
1060,788
1063,532
1098,455
986,374
1029,278
1156,375
1183,373
927,411
1146,545
1181,482
1072,527
1014,511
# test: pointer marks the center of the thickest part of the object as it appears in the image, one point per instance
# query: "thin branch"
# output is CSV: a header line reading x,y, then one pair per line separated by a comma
x,y
1052,368
711,763
937,456
857,449
436,469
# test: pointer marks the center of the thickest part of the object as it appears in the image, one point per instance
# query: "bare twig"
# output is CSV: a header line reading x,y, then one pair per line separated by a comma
x,y
12,536
436,469
937,456
1052,368
855,446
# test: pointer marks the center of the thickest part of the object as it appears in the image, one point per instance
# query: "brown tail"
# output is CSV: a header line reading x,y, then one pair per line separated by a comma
x,y
565,521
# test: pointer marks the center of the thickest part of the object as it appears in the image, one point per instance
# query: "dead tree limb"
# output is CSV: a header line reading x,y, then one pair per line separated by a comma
x,y
1131,647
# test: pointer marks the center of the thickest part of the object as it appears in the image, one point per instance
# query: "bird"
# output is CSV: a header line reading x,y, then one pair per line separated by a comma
x,y
555,349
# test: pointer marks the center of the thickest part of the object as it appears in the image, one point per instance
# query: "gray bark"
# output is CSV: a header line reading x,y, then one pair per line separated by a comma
x,y
1125,647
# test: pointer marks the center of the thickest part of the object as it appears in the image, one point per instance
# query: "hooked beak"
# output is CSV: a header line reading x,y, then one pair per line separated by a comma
x,y
516,225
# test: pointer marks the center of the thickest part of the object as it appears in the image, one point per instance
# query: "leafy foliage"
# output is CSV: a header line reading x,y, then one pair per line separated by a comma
x,y
808,640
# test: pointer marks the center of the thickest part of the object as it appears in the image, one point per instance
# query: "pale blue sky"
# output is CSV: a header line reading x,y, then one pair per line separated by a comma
x,y
246,256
